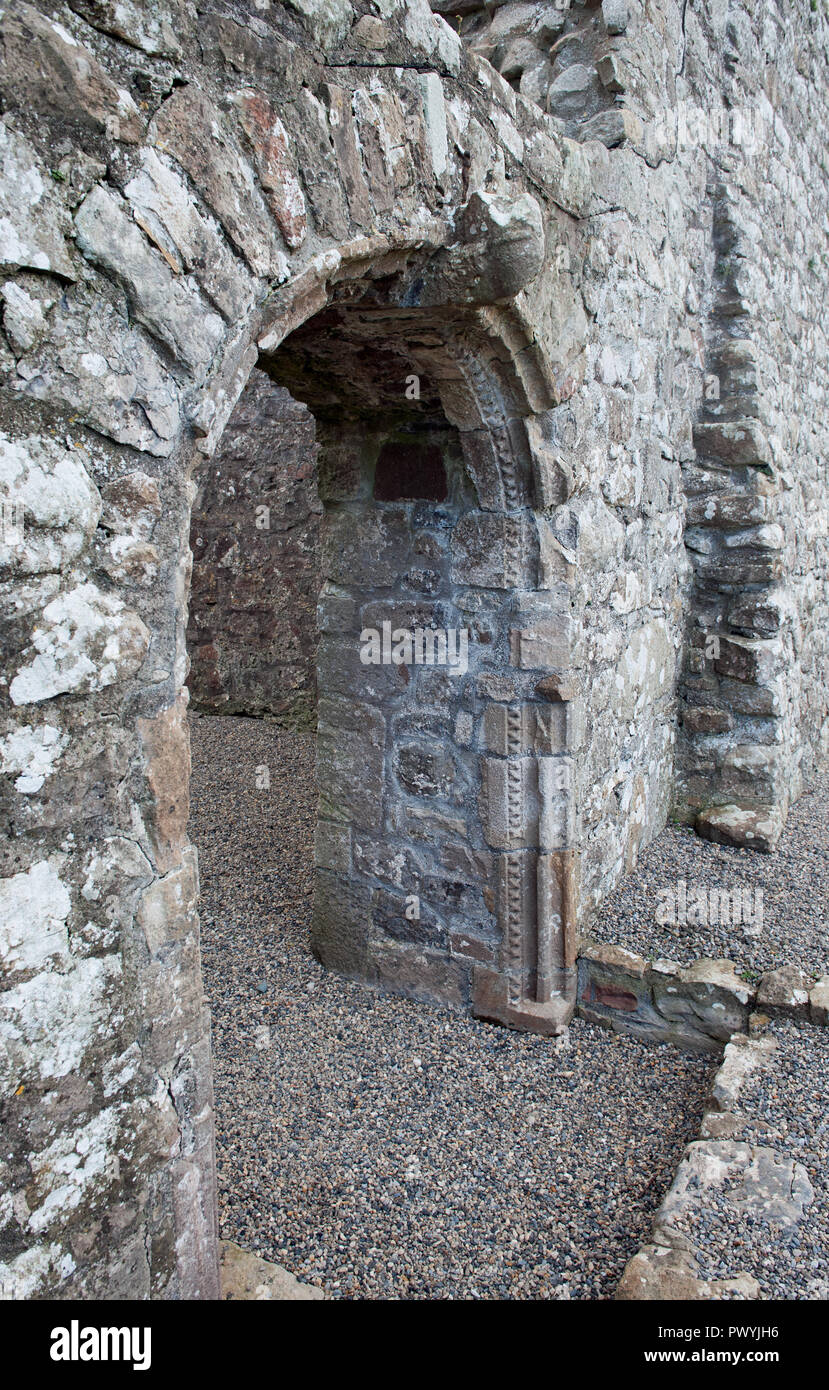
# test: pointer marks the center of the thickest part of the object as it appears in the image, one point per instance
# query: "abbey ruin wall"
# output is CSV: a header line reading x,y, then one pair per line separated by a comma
x,y
254,535
608,286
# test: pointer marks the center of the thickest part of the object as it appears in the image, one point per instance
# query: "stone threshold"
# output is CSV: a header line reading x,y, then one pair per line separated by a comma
x,y
697,1006
769,1183
246,1276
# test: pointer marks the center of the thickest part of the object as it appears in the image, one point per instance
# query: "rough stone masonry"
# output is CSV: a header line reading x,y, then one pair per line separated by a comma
x,y
549,278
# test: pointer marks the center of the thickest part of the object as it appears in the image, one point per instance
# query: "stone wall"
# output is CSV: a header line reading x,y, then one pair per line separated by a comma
x,y
754,683
511,324
254,534
148,264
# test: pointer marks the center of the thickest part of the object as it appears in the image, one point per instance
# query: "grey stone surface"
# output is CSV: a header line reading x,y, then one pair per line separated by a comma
x,y
248,1277
366,225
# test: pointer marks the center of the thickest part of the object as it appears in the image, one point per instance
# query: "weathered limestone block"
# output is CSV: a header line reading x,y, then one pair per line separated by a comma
x,y
50,1021
155,31
553,477
167,909
33,223
169,308
785,991
247,1276
328,20
758,829
24,316
219,171
39,1268
645,671
274,165
332,847
376,151
771,1187
131,505
425,770
107,374
316,158
165,210
819,1001
500,250
32,754
60,503
115,874
659,1272
44,68
616,15
745,659
85,640
708,995
131,510
573,92
734,443
742,1056
166,745
344,136
34,907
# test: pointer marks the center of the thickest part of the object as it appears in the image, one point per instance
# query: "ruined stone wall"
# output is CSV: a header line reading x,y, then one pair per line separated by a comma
x,y
254,534
157,228
189,192
755,681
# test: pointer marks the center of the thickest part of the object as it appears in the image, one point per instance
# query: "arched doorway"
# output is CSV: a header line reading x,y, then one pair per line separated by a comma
x,y
444,861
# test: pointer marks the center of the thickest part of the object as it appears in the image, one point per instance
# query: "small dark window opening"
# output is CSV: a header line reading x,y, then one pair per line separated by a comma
x,y
410,471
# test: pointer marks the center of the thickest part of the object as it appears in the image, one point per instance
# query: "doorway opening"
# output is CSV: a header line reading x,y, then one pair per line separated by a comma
x,y
366,1142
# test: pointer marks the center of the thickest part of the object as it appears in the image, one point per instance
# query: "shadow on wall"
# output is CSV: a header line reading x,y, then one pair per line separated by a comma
x,y
255,536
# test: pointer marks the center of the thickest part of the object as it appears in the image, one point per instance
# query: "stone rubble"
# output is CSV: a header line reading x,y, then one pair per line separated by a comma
x,y
746,1214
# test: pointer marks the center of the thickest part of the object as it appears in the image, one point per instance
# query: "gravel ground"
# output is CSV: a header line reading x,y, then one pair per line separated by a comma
x,y
381,1148
786,1110
794,883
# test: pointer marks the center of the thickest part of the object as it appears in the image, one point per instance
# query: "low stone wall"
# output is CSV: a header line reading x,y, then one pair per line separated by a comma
x,y
743,1168
698,1006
